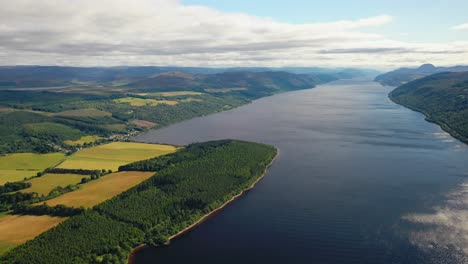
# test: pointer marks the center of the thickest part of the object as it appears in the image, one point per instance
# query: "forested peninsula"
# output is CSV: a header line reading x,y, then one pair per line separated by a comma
x,y
189,184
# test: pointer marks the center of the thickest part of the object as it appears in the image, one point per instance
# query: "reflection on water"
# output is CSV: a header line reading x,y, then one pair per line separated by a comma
x,y
359,180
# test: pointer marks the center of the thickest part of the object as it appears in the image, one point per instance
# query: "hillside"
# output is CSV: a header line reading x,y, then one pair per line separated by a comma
x,y
256,83
404,75
50,120
442,97
32,77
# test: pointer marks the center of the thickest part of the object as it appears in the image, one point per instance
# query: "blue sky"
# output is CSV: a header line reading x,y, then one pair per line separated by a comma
x,y
414,20
235,33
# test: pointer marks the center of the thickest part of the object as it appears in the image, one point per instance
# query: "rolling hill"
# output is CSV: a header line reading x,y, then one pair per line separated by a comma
x,y
404,75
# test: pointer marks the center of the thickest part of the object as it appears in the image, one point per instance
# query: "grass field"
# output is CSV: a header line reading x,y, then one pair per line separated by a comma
x,y
16,167
17,229
45,184
85,112
169,94
142,102
82,140
104,188
111,156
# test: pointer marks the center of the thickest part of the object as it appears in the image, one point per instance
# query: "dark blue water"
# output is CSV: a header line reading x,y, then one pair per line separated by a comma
x,y
359,180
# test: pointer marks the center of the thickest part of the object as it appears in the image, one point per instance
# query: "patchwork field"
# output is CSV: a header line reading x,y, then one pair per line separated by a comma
x,y
82,140
111,156
45,184
142,102
17,229
104,188
169,94
16,167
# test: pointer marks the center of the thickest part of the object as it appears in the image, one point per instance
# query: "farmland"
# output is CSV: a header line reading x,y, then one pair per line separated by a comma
x,y
45,184
170,94
82,140
142,102
101,190
17,229
111,156
16,167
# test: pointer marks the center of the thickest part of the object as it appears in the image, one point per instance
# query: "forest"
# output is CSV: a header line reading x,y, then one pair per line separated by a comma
x,y
189,184
442,97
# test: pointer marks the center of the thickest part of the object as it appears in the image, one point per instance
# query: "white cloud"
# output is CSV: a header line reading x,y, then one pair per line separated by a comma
x,y
167,32
460,27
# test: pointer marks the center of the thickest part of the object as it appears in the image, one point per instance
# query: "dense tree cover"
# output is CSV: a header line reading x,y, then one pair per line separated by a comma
x,y
74,171
442,97
43,209
86,238
190,183
14,186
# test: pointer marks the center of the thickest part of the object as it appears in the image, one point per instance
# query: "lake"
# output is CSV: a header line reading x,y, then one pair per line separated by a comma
x,y
359,180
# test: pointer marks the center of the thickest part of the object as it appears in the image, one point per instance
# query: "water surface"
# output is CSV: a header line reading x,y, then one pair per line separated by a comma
x,y
359,180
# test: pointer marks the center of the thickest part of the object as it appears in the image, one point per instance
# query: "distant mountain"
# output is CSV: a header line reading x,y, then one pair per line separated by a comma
x,y
247,82
404,75
442,97
52,76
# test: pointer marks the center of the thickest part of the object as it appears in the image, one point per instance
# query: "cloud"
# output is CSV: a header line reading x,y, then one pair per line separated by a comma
x,y
460,27
168,32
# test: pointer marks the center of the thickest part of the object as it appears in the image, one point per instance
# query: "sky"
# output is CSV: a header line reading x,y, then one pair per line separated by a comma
x,y
219,33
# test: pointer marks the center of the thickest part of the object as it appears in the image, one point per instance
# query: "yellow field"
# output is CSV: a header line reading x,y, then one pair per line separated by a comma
x,y
104,188
169,94
142,102
17,229
225,90
82,140
45,184
16,167
111,156
84,112
190,99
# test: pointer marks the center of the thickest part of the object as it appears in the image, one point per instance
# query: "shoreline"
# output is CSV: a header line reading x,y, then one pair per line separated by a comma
x,y
131,256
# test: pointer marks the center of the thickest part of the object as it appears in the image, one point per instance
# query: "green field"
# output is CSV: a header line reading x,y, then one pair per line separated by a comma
x,y
45,184
142,102
82,140
170,94
15,167
111,156
87,112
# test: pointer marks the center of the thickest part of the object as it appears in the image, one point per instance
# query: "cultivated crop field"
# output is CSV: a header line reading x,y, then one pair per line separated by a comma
x,y
45,184
111,156
104,188
17,229
82,140
15,167
142,102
